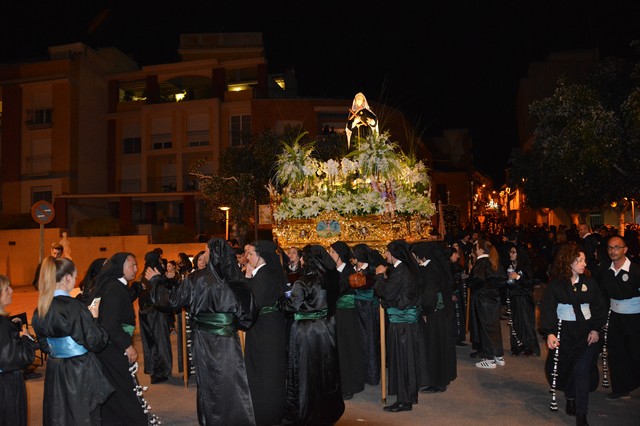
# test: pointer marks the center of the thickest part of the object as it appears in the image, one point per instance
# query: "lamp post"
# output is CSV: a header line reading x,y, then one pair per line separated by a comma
x,y
226,209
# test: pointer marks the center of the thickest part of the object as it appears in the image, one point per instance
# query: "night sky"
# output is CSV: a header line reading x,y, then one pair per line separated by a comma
x,y
446,66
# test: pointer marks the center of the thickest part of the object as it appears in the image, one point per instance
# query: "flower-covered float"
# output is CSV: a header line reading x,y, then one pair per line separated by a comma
x,y
373,195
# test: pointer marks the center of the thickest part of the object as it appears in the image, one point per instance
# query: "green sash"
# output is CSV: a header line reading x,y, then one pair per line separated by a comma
x,y
268,309
366,295
221,324
346,301
310,315
407,315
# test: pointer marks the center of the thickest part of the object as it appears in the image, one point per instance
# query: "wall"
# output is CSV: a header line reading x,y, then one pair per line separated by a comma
x,y
19,261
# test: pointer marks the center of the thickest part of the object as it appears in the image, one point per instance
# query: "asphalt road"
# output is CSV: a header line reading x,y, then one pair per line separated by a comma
x,y
516,394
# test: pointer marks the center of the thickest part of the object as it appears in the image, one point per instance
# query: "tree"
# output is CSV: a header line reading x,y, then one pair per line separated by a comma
x,y
585,152
242,177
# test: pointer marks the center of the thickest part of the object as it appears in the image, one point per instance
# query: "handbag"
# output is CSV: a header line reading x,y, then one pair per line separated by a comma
x,y
357,280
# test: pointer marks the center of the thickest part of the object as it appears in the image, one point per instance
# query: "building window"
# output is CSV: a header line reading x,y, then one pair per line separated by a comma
x,y
39,117
198,138
240,129
41,193
132,145
161,141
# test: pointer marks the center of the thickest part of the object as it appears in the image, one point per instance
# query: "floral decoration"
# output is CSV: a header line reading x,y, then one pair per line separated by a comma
x,y
374,179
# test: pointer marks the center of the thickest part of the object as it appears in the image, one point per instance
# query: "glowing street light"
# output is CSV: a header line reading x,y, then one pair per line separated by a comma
x,y
226,209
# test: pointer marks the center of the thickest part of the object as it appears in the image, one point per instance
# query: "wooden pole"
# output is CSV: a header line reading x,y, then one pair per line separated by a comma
x,y
383,357
185,350
241,335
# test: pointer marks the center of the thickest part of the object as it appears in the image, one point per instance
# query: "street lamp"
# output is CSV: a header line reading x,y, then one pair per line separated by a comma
x,y
226,209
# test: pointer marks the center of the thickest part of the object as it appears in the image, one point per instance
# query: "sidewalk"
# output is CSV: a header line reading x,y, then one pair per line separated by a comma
x,y
512,395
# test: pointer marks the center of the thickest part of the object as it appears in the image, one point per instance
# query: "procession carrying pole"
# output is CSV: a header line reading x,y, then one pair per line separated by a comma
x,y
185,350
383,357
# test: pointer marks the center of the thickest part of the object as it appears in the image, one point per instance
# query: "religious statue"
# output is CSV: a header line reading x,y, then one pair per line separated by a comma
x,y
361,119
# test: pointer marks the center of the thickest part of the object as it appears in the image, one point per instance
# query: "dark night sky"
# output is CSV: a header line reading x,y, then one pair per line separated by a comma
x,y
446,66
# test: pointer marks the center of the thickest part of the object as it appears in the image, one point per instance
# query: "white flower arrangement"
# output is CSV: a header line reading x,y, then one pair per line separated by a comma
x,y
372,180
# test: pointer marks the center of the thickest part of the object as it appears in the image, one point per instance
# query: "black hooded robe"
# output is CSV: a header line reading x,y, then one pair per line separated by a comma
x,y
74,387
116,313
16,353
214,295
265,352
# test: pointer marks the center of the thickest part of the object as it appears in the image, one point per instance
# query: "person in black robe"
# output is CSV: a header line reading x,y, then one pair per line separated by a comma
x,y
572,314
486,279
17,351
184,264
314,396
520,305
437,311
117,316
219,303
87,285
347,324
398,287
620,282
154,325
459,296
265,351
74,385
368,307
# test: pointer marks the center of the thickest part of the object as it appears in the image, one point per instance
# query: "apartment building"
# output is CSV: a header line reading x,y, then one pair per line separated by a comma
x,y
98,136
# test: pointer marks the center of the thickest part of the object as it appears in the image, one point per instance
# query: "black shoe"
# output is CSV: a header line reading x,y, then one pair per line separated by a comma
x,y
391,407
347,396
433,389
616,396
400,407
581,420
571,407
478,354
461,344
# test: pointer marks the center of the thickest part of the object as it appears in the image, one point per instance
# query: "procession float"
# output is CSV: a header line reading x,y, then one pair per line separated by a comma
x,y
374,194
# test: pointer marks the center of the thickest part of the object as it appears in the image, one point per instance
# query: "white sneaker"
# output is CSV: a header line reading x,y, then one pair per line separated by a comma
x,y
486,364
500,361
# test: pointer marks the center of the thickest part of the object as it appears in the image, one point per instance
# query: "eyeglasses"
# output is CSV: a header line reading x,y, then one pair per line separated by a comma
x,y
616,248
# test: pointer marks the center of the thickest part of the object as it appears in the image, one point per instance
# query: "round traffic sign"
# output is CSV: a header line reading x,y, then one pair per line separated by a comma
x,y
43,212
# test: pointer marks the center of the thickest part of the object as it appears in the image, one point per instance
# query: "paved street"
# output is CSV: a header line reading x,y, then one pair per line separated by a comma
x,y
511,395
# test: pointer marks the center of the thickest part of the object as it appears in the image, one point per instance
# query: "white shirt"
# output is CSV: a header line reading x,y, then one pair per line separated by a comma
x,y
253,273
625,266
341,267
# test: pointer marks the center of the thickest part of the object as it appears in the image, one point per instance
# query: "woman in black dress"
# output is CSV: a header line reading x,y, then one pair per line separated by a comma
x,y
486,279
520,304
365,261
265,351
154,325
572,314
16,353
75,385
313,375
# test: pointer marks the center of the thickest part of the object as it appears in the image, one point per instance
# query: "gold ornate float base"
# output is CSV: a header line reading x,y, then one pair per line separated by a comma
x,y
376,230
